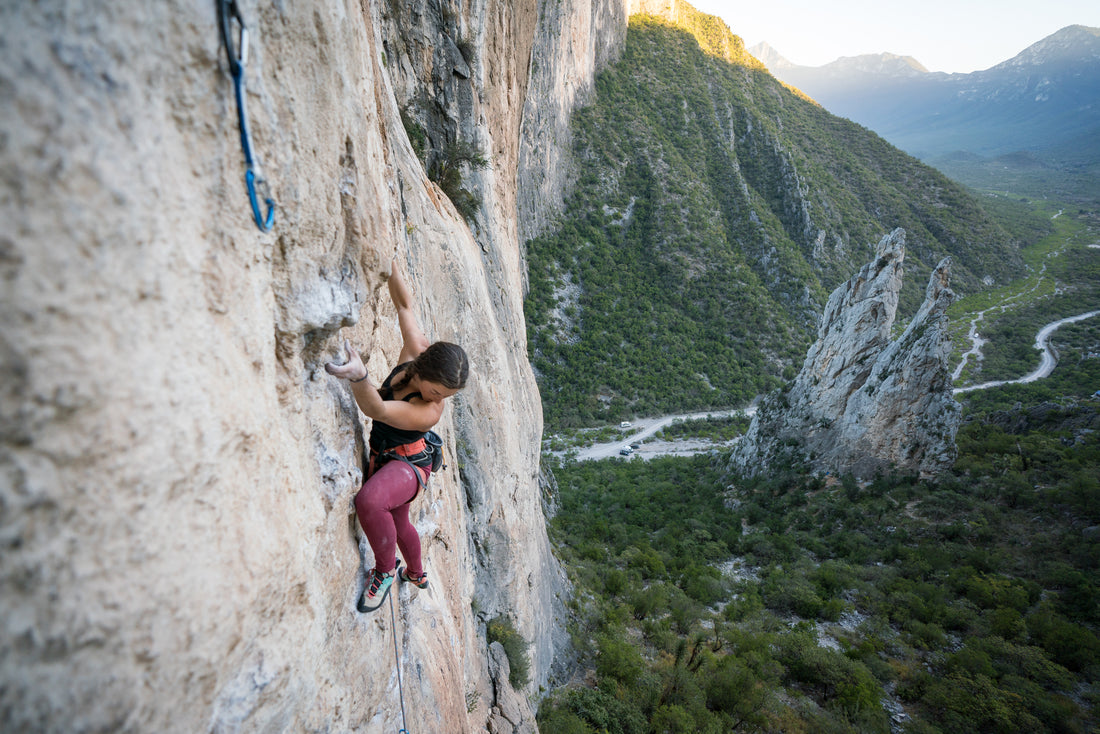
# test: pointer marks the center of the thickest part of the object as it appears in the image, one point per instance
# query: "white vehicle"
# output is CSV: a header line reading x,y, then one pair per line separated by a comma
x,y
626,451
625,424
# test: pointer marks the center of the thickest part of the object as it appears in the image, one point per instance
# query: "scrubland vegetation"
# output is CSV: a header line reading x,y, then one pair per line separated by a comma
x,y
1063,280
709,603
965,603
715,429
969,602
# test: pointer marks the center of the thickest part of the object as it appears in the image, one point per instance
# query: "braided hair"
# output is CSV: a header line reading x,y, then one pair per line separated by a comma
x,y
443,363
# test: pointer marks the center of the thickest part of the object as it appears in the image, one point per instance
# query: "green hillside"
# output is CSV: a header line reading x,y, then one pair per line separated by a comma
x,y
714,209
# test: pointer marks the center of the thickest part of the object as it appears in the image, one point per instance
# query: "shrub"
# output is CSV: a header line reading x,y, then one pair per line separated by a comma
x,y
645,601
615,582
969,703
603,712
618,659
673,720
1007,623
833,677
418,137
1069,644
503,630
833,610
790,593
562,721
446,171
736,690
704,584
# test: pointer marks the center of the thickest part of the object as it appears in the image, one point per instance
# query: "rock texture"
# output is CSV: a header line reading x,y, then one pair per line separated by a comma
x,y
574,41
179,549
862,402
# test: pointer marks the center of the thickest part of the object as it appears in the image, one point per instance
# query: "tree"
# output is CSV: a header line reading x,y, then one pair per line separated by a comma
x,y
446,171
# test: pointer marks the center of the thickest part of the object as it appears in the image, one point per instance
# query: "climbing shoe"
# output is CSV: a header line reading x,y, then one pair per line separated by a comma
x,y
421,581
378,585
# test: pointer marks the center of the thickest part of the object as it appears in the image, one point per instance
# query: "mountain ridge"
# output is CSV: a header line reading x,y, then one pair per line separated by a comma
x,y
1041,97
714,209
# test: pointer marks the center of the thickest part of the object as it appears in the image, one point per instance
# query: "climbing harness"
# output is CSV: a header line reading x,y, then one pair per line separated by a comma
x,y
397,660
424,453
229,12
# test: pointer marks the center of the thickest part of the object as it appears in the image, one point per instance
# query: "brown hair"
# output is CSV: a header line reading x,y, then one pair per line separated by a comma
x,y
443,363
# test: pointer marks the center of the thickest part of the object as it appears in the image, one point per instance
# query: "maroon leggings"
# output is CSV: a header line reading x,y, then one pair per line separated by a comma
x,y
383,509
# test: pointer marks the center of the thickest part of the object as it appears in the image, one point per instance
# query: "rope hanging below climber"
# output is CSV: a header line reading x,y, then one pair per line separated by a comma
x,y
238,57
397,659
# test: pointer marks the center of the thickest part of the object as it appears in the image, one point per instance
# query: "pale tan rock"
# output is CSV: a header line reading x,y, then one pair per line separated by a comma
x,y
176,468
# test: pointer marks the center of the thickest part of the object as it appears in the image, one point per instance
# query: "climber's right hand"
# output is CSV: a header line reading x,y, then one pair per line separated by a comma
x,y
352,368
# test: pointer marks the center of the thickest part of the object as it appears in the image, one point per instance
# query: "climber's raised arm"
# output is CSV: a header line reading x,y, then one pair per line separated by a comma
x,y
416,415
414,341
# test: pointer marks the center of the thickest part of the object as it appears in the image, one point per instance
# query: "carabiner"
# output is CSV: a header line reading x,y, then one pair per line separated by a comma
x,y
253,182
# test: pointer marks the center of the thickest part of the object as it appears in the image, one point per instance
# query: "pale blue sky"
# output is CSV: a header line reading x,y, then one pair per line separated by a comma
x,y
944,35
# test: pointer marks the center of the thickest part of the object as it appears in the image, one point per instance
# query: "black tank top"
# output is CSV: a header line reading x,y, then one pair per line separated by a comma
x,y
383,436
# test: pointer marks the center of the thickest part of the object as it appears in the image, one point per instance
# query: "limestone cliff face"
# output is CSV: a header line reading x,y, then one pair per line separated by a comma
x,y
575,39
179,550
862,402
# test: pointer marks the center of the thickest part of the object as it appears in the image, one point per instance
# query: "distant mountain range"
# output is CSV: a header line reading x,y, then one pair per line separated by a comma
x,y
1045,101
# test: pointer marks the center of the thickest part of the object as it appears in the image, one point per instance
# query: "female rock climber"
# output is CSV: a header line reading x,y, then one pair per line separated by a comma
x,y
409,403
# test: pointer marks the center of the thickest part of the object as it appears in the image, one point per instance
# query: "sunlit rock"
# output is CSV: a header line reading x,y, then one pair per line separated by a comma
x,y
177,469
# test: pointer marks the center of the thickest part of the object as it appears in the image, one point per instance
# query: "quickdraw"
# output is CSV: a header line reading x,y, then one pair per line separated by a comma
x,y
228,12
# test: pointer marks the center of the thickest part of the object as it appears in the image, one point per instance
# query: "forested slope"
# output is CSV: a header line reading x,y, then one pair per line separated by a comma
x,y
713,210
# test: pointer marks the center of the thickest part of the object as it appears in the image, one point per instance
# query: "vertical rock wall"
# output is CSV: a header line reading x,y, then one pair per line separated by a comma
x,y
179,551
574,41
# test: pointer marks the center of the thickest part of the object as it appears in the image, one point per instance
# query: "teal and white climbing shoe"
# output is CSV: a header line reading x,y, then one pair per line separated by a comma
x,y
378,585
421,581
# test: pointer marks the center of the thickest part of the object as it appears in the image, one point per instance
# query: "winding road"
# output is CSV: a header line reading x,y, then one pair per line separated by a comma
x,y
976,342
1042,342
646,427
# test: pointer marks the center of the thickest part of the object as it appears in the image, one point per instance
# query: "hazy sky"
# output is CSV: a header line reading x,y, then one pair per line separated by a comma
x,y
944,35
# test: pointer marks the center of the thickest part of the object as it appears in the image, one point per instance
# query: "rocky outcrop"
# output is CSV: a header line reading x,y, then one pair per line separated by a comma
x,y
863,403
574,41
179,550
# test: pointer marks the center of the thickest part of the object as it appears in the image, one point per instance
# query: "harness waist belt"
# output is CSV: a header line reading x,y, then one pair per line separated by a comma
x,y
410,449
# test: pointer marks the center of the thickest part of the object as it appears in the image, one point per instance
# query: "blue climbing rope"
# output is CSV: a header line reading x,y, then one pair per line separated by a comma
x,y
228,12
397,660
